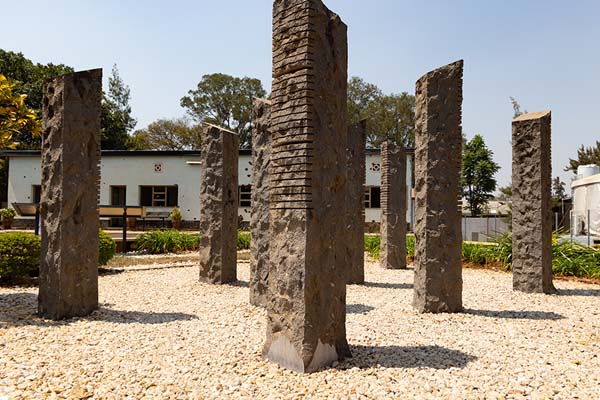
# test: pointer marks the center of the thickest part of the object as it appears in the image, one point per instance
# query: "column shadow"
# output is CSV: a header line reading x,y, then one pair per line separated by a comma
x,y
388,285
358,308
435,357
579,292
508,314
20,309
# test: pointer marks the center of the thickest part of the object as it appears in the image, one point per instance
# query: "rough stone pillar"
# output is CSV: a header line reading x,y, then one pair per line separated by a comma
x,y
307,313
531,207
69,198
438,134
355,203
259,219
393,206
218,205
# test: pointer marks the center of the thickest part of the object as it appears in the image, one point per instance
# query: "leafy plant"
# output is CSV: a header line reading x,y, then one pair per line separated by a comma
x,y
7,213
166,241
176,215
107,248
243,240
19,254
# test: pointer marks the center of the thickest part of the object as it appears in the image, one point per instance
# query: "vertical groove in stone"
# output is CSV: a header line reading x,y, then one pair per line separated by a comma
x,y
531,203
259,219
355,203
218,205
393,206
69,199
438,239
307,185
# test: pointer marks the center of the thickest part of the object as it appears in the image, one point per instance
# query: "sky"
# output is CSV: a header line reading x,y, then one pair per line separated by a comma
x,y
544,53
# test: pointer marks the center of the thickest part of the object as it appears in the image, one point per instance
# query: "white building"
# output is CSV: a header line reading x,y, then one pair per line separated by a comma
x,y
586,201
161,180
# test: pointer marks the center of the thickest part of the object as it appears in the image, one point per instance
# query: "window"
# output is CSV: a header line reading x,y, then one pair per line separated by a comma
x,y
36,193
117,195
159,196
372,197
245,193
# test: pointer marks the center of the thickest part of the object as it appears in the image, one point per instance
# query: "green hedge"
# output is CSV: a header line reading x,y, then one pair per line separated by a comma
x,y
568,259
166,241
172,241
108,248
20,253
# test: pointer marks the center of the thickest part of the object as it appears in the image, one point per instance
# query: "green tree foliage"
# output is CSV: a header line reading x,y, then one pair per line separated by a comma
x,y
478,170
585,156
225,101
28,78
116,119
15,116
558,189
168,134
516,108
391,115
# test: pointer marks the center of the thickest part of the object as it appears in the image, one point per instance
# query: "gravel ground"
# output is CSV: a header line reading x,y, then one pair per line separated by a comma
x,y
161,334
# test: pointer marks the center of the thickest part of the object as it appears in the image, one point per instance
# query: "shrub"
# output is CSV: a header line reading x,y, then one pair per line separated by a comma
x,y
372,245
243,240
7,213
108,248
166,241
19,254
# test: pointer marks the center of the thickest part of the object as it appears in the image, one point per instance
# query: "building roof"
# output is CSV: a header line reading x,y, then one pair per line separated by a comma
x,y
136,153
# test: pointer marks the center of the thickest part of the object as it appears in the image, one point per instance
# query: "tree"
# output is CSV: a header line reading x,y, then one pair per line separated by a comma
x,y
388,116
225,101
116,118
516,108
28,78
558,189
585,156
168,134
15,116
478,170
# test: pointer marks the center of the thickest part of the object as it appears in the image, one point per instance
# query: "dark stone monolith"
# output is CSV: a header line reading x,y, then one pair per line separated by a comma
x,y
438,239
355,203
532,204
218,205
68,284
259,219
307,275
393,206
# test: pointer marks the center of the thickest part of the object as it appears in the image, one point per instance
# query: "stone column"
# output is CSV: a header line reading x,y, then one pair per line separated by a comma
x,y
355,203
69,199
438,134
259,219
531,203
393,206
218,205
307,281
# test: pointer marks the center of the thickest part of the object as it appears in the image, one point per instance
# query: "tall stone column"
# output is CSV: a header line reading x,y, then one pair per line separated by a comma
x,y
218,205
438,239
531,203
393,206
307,281
69,199
259,219
355,203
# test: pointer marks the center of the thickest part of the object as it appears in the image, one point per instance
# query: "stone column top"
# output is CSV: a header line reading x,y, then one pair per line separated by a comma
x,y
209,125
92,72
443,70
533,115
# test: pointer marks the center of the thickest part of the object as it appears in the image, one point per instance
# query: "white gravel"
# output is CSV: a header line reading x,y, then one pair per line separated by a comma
x,y
161,334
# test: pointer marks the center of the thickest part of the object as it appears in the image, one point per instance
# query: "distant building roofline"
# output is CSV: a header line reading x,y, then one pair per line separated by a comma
x,y
140,153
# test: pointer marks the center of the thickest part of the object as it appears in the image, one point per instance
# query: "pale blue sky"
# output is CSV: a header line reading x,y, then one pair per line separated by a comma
x,y
546,54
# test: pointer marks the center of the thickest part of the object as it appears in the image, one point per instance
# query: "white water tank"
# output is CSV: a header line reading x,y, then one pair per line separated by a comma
x,y
584,171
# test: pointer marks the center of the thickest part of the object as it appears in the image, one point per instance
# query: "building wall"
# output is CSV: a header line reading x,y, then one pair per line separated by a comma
x,y
586,196
163,170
